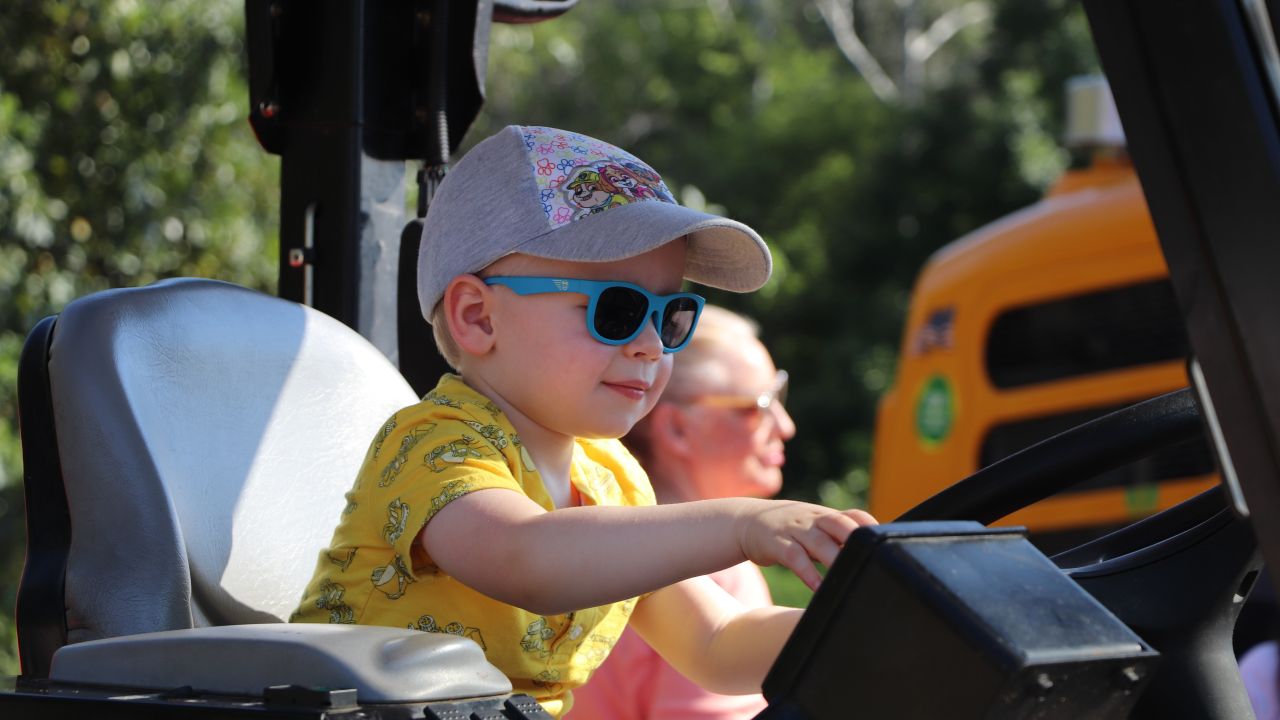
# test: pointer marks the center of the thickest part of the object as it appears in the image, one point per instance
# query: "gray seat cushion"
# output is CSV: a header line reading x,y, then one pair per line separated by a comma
x,y
207,435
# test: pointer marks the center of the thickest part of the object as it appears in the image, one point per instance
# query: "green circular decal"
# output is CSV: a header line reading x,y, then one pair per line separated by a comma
x,y
1142,499
935,410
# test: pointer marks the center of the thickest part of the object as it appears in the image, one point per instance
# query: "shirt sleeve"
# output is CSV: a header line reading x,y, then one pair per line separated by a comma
x,y
431,464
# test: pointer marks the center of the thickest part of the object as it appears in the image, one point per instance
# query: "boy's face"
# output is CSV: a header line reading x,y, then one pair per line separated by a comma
x,y
548,367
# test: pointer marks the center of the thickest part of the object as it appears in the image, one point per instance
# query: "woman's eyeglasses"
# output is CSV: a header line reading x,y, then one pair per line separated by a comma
x,y
777,395
617,311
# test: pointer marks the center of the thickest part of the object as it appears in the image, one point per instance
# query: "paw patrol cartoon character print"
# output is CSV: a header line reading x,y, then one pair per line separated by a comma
x,y
592,194
631,184
578,176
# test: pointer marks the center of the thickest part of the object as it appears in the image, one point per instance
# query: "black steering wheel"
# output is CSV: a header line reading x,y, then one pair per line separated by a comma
x,y
1177,578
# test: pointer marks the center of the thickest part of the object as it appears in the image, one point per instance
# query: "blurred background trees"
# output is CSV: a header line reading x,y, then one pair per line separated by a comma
x,y
125,157
754,110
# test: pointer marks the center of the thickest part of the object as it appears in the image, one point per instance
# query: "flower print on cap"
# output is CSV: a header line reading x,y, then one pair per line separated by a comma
x,y
578,176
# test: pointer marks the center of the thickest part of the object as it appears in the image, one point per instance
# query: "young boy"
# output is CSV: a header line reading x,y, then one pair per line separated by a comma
x,y
501,507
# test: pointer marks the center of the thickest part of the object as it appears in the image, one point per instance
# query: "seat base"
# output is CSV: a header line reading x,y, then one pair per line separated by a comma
x,y
381,664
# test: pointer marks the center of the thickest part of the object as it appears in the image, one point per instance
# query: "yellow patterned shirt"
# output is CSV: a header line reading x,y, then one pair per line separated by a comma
x,y
453,442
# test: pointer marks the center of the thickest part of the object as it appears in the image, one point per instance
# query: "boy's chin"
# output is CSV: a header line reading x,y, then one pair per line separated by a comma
x,y
613,431
603,435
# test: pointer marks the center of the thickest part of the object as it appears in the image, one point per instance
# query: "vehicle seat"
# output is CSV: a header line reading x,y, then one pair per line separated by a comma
x,y
206,435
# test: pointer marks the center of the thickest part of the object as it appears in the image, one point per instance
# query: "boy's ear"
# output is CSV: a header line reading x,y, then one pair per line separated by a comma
x,y
468,303
671,433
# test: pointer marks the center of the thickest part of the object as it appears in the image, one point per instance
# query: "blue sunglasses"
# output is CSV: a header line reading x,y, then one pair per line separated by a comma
x,y
617,311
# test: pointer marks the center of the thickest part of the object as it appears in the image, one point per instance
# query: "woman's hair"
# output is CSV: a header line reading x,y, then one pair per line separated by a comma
x,y
698,367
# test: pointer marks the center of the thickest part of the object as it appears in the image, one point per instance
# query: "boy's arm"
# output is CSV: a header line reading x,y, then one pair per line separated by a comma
x,y
710,637
504,545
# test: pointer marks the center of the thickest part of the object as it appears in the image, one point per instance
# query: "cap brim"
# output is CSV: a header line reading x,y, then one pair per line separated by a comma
x,y
722,253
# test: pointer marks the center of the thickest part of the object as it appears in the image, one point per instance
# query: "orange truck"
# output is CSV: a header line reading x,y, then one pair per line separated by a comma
x,y
1037,322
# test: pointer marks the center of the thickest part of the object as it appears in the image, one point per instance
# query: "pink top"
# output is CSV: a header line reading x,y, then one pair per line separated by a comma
x,y
1260,670
635,683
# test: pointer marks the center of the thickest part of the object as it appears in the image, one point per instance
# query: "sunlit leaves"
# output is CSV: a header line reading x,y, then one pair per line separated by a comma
x,y
125,157
754,105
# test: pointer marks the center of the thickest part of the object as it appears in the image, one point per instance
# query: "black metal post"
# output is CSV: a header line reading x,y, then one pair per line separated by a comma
x,y
1194,87
340,89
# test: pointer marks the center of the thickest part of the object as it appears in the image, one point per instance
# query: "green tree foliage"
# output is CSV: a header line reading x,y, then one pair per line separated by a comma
x,y
124,158
753,110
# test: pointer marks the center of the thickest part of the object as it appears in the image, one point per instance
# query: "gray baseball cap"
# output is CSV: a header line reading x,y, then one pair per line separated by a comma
x,y
565,196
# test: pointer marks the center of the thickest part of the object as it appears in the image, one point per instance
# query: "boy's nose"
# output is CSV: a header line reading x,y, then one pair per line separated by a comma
x,y
648,344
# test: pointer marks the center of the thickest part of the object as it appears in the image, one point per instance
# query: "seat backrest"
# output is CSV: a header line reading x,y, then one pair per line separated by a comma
x,y
207,434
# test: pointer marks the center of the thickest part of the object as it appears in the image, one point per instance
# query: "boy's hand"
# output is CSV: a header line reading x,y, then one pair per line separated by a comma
x,y
796,534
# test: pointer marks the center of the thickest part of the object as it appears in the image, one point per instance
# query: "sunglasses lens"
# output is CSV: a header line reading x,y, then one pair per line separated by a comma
x,y
619,311
677,321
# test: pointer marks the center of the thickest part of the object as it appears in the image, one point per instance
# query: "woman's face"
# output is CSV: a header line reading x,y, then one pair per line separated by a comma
x,y
738,444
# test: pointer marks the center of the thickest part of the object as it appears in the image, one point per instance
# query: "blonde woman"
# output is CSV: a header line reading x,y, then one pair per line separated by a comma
x,y
718,431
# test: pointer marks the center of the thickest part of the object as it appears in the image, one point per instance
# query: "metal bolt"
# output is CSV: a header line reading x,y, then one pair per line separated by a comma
x,y
268,108
298,257
1044,682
